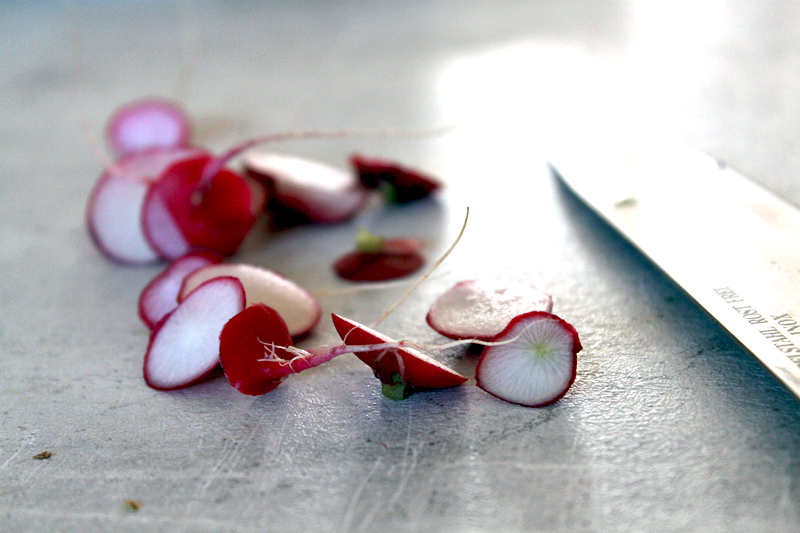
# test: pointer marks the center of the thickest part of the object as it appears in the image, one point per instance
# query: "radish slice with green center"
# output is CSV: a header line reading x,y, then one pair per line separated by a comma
x,y
535,365
297,307
147,123
480,309
114,210
184,348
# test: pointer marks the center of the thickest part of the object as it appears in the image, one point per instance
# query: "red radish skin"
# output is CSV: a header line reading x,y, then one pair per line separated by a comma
x,y
301,190
181,215
416,369
184,347
147,123
537,367
249,343
404,184
392,259
480,309
297,307
114,210
160,296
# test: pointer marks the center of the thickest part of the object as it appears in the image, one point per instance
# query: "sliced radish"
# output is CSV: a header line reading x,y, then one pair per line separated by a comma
x,y
114,210
378,259
249,344
184,348
147,123
402,184
181,214
160,296
303,190
256,351
401,370
297,307
480,309
536,366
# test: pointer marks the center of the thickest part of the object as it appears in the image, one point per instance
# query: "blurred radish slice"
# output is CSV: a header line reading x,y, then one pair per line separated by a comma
x,y
480,309
184,348
181,215
296,306
114,210
160,296
147,123
317,192
402,184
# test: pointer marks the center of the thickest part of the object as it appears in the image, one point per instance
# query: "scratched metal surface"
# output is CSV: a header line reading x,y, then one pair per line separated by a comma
x,y
669,427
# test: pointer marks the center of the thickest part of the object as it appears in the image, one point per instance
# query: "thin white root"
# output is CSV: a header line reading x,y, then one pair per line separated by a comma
x,y
425,276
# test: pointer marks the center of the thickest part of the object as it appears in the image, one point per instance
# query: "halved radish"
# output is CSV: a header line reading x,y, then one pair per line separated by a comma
x,y
147,123
402,184
297,307
480,309
312,191
401,370
184,348
535,365
114,210
181,213
160,296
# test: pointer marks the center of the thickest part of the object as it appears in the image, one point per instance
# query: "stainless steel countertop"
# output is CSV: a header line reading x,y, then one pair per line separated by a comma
x,y
670,426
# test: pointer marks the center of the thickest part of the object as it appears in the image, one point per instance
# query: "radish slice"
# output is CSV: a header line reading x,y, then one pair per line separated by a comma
x,y
312,191
401,370
378,259
179,215
537,366
249,344
160,296
297,307
147,123
480,309
184,348
114,210
402,184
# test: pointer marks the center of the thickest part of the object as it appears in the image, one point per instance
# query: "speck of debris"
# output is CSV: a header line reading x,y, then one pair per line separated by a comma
x,y
131,505
43,455
626,202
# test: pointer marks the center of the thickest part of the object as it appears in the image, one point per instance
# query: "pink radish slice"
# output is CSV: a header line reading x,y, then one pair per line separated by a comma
x,y
160,296
147,123
181,215
480,309
310,190
537,367
184,348
407,367
114,210
404,184
297,307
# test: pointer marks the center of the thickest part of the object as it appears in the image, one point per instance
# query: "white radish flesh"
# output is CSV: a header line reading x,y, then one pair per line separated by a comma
x,y
480,309
296,306
185,348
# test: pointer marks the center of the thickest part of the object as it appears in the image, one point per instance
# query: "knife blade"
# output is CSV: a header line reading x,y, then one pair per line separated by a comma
x,y
729,243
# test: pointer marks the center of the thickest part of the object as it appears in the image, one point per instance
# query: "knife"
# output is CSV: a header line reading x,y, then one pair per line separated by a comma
x,y
729,243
